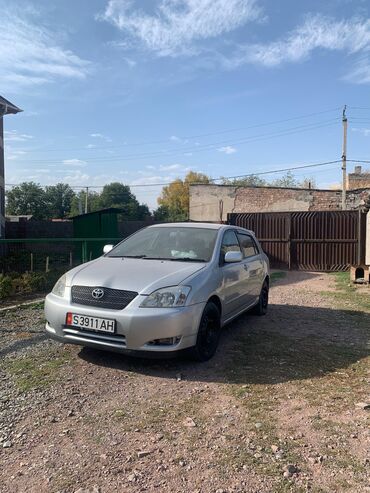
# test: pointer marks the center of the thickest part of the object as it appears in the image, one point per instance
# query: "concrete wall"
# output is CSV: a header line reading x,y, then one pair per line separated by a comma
x,y
214,202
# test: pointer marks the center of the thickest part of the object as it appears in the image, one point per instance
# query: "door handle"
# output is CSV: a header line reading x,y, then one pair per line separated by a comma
x,y
246,266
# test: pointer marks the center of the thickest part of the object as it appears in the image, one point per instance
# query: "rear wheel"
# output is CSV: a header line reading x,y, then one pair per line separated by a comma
x,y
263,301
208,333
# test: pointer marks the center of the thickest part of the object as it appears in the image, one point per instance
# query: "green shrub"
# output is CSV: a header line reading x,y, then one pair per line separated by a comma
x,y
32,281
6,286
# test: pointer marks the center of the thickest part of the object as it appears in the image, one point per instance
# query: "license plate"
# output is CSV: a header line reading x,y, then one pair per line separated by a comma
x,y
91,323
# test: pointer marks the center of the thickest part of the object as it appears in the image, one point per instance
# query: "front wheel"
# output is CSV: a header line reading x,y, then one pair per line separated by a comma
x,y
263,301
208,333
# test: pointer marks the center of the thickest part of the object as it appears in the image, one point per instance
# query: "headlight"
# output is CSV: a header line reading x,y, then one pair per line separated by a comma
x,y
60,286
170,297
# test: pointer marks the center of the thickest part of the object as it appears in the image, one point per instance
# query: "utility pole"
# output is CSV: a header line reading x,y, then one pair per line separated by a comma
x,y
344,159
87,200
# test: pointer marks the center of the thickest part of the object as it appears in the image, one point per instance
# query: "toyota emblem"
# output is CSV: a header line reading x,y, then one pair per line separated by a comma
x,y
97,293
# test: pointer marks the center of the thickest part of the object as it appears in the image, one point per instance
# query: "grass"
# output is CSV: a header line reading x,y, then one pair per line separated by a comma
x,y
38,371
277,276
347,295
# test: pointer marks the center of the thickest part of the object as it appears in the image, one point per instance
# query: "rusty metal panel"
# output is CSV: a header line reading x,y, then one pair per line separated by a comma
x,y
272,231
317,240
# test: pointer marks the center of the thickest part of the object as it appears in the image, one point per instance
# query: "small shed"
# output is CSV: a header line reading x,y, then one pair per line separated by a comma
x,y
102,225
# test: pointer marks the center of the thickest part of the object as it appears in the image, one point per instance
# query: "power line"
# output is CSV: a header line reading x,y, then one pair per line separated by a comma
x,y
292,168
205,147
198,136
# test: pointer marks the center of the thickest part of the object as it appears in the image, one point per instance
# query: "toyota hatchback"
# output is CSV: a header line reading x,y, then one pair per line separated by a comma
x,y
166,288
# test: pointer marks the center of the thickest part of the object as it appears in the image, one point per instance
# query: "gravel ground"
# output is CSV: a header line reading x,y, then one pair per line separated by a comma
x,y
276,410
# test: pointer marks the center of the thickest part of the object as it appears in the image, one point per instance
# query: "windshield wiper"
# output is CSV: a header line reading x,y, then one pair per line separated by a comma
x,y
133,256
186,259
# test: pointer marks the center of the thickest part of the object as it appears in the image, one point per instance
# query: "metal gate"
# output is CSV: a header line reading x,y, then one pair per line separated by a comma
x,y
323,241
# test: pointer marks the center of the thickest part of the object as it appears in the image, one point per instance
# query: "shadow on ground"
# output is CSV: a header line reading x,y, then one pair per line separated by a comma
x,y
290,343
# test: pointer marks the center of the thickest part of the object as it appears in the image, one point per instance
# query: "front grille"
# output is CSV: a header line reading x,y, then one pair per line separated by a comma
x,y
77,335
115,299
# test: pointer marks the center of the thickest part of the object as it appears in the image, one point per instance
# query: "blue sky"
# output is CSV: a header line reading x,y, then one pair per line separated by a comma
x,y
143,91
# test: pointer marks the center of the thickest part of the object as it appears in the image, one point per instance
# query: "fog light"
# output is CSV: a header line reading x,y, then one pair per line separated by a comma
x,y
167,341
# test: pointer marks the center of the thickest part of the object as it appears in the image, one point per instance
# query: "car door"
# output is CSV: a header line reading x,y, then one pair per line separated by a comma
x,y
253,264
233,276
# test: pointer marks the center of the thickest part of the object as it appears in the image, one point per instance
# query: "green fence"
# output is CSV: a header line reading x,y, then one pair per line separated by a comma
x,y
47,254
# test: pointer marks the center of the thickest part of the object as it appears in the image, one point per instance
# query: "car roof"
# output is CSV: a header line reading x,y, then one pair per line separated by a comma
x,y
199,225
188,225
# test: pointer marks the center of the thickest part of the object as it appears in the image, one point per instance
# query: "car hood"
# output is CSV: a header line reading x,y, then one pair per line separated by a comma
x,y
140,275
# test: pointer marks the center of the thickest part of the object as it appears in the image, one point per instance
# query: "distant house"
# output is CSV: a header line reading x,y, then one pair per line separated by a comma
x,y
358,179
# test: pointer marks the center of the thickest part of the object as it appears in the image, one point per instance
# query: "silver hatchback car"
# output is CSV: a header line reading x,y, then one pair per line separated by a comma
x,y
166,288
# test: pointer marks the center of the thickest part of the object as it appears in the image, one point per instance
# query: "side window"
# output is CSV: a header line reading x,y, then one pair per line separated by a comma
x,y
229,244
248,245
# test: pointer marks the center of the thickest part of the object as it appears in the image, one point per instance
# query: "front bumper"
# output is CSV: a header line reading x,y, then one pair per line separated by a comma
x,y
135,326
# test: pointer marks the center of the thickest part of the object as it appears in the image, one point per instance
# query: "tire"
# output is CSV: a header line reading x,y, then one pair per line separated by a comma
x,y
263,301
208,333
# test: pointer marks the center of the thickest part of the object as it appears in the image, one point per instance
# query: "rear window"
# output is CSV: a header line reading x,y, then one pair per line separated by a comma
x,y
248,245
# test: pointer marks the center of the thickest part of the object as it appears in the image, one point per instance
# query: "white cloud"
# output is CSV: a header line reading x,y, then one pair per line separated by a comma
x,y
227,149
171,167
74,162
363,131
316,32
14,136
179,140
176,25
30,54
101,136
76,178
13,154
360,72
90,146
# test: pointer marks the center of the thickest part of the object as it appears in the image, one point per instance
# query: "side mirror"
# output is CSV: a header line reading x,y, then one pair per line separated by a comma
x,y
107,248
232,257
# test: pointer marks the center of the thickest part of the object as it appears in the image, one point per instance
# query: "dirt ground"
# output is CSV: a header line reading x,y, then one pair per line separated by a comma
x,y
276,410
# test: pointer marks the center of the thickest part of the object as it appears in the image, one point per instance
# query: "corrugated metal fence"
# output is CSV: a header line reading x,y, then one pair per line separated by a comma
x,y
323,241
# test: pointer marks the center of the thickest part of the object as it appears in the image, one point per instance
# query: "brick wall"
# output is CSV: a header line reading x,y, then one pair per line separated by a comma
x,y
214,202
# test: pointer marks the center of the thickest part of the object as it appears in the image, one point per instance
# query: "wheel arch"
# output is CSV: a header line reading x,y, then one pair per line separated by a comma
x,y
216,300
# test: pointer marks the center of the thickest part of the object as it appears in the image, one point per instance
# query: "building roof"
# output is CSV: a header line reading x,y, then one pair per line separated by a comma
x,y
109,210
6,107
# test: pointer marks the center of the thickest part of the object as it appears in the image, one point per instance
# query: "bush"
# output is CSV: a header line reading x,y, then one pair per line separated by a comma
x,y
32,281
6,286
27,283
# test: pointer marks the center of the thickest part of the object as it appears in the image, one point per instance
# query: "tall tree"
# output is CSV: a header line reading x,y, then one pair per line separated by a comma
x,y
248,181
59,200
287,181
118,195
79,201
27,198
174,197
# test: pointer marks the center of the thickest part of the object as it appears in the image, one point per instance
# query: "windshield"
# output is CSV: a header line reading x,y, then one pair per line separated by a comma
x,y
169,243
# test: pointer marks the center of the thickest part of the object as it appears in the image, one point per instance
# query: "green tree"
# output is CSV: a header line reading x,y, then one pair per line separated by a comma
x,y
248,181
27,198
59,200
79,200
174,197
286,181
118,195
161,213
